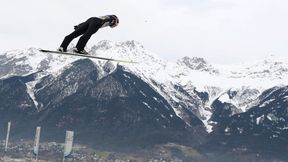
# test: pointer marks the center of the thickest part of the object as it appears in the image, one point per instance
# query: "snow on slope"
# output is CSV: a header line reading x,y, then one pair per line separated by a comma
x,y
265,73
22,62
168,78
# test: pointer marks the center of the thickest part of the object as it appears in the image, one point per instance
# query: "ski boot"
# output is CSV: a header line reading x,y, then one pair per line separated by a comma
x,y
82,52
61,49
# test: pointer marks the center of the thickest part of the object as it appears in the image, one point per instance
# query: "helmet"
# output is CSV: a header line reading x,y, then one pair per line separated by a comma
x,y
114,22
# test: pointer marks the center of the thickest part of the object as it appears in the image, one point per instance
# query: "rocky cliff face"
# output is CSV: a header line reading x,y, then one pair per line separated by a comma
x,y
115,106
16,104
263,128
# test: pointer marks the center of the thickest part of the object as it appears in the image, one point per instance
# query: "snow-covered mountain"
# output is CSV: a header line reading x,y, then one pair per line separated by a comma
x,y
189,85
182,81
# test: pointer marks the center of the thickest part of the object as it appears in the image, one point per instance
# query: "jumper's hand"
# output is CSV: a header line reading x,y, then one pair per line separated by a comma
x,y
75,27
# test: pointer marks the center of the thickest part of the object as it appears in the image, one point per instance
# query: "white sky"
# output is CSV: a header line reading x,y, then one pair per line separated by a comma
x,y
221,31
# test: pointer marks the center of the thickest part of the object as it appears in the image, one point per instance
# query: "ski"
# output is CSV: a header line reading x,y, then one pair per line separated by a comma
x,y
87,56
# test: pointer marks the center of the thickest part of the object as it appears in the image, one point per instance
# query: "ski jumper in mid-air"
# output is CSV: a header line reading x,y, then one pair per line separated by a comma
x,y
87,29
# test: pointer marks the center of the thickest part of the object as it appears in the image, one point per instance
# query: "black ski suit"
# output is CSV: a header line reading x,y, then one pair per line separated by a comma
x,y
86,29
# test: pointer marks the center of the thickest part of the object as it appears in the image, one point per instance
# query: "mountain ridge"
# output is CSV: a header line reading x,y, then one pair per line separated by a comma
x,y
180,83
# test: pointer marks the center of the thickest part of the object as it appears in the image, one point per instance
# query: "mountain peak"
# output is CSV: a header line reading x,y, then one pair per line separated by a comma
x,y
194,60
197,63
103,45
132,44
106,44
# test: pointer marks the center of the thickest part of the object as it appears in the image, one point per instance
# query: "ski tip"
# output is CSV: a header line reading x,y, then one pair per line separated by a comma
x,y
130,62
42,50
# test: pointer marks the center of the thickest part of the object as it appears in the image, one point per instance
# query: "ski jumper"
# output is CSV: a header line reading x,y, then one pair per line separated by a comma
x,y
86,29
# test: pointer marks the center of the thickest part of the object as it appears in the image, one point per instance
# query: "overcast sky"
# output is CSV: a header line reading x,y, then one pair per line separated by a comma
x,y
221,31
